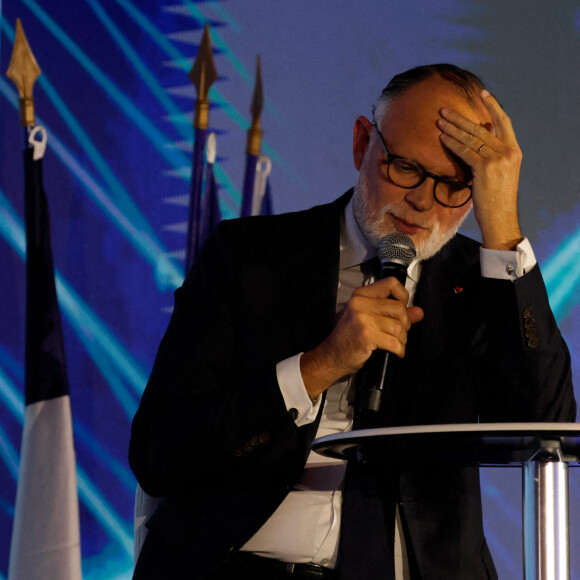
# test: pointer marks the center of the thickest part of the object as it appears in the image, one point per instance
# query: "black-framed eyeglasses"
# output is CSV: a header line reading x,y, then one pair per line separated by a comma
x,y
408,174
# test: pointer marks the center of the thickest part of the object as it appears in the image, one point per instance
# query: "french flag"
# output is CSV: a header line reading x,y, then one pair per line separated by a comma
x,y
46,535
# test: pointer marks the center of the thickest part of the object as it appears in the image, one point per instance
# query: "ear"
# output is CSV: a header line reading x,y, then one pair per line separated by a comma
x,y
361,137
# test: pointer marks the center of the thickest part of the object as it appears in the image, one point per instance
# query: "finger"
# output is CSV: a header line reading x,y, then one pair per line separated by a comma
x,y
386,288
391,340
389,330
464,152
373,311
398,323
397,344
370,331
451,120
365,333
385,315
402,324
476,143
393,345
398,291
416,314
502,123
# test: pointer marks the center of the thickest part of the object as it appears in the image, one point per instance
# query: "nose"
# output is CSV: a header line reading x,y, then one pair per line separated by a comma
x,y
421,197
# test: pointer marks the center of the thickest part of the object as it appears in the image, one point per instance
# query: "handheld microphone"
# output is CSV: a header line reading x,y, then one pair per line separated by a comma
x,y
396,252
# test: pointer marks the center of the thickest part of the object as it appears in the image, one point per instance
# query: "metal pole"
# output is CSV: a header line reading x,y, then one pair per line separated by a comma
x,y
545,514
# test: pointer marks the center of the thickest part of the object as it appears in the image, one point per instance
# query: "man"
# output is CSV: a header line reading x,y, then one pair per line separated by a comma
x,y
279,314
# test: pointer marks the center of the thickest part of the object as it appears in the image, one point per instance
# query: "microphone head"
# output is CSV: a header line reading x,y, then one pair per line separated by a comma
x,y
397,248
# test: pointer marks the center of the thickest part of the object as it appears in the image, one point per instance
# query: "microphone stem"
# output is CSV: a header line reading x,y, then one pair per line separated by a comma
x,y
384,371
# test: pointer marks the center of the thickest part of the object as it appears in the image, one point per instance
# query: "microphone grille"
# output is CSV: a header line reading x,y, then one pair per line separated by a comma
x,y
397,248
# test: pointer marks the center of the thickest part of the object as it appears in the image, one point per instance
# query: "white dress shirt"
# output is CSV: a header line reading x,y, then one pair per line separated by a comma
x,y
306,526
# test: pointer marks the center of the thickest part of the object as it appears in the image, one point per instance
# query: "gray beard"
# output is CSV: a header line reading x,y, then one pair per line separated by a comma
x,y
374,229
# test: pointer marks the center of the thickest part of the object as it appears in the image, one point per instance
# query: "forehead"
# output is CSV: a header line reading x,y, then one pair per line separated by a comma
x,y
409,123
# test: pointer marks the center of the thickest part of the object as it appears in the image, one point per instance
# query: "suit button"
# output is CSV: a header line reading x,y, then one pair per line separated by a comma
x,y
533,341
528,312
264,437
293,413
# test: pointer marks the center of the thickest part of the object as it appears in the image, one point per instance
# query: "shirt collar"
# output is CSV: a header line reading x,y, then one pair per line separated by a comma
x,y
355,249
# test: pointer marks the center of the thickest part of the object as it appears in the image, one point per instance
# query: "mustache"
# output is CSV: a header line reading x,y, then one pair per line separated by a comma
x,y
416,221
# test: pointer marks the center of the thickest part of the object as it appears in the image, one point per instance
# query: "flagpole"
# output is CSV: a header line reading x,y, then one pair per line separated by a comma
x,y
203,74
23,71
45,539
254,143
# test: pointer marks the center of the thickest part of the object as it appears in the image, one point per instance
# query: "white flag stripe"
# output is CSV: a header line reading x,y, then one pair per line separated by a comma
x,y
46,536
263,170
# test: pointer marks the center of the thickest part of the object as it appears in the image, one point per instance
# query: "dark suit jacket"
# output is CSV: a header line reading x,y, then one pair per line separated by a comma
x,y
212,433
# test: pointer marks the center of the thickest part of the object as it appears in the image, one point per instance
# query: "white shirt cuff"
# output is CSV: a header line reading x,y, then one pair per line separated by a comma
x,y
507,264
294,392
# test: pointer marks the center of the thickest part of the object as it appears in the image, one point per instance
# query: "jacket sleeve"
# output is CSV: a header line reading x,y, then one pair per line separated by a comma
x,y
530,378
208,417
488,350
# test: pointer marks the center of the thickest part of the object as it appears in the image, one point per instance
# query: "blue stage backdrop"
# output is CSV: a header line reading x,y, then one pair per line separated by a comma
x,y
117,104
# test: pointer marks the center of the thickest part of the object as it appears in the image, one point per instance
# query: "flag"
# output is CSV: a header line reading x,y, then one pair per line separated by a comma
x,y
257,197
46,535
203,74
266,206
257,200
194,220
211,213
252,188
249,185
262,198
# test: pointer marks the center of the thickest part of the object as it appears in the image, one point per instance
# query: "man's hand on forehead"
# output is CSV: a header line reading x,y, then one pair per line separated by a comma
x,y
491,150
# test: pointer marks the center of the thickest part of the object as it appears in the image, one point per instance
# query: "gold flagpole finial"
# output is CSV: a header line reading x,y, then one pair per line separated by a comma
x,y
255,132
203,74
23,71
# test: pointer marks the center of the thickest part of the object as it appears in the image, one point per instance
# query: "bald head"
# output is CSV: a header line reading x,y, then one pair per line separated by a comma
x,y
464,82
412,117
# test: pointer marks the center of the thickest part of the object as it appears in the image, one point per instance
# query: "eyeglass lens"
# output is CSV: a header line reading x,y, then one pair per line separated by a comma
x,y
405,173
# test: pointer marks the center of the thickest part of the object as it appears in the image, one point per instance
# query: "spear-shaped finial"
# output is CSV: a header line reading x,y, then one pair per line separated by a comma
x,y
255,132
23,71
203,74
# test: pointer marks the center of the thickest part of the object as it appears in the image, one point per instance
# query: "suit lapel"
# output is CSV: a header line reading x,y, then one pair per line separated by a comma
x,y
311,276
443,278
